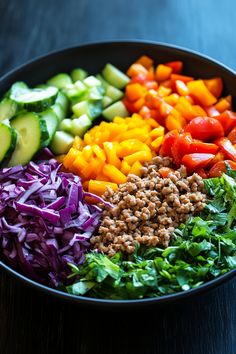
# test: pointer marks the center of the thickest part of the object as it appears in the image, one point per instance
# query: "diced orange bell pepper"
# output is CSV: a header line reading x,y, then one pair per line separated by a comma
x,y
163,72
151,85
211,111
223,104
198,89
70,157
183,78
176,66
181,88
185,108
99,152
125,167
151,74
93,168
175,123
87,152
152,100
214,85
136,169
199,111
145,61
172,99
145,112
135,91
163,91
130,146
165,109
79,163
114,174
139,104
102,177
137,69
99,187
111,154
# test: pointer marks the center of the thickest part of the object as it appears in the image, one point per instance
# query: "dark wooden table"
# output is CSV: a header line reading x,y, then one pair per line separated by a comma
x,y
32,323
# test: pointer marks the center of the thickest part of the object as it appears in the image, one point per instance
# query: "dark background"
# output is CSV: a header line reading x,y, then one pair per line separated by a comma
x,y
32,323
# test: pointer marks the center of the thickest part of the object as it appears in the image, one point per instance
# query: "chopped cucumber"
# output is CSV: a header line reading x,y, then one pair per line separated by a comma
x,y
60,80
78,74
59,110
80,125
51,120
65,125
114,76
36,100
32,133
17,89
106,101
93,110
61,143
75,90
116,109
104,83
95,93
114,93
8,109
92,81
63,101
8,142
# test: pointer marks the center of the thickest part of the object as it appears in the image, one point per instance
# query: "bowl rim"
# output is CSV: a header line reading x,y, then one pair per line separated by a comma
x,y
110,302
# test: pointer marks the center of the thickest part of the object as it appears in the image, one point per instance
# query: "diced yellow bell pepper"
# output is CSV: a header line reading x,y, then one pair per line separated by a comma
x,y
80,163
99,152
175,123
87,152
111,155
93,168
141,156
125,167
137,133
136,169
152,122
99,187
70,157
114,174
77,142
157,142
102,177
155,133
88,138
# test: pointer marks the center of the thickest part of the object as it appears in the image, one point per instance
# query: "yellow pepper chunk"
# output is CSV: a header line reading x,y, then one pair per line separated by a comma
x,y
110,149
99,153
70,157
157,142
125,167
87,152
114,174
99,187
136,169
141,156
155,133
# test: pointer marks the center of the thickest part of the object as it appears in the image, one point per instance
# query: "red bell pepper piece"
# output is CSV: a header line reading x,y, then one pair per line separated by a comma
x,y
200,147
201,172
181,147
176,66
196,161
205,128
228,120
232,136
168,141
227,147
220,167
129,105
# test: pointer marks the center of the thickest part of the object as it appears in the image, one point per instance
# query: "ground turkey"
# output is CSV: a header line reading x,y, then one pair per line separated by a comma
x,y
147,209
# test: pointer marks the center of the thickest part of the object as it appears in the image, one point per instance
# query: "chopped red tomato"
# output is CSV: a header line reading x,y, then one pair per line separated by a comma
x,y
196,161
199,146
227,147
181,147
228,120
205,128
168,141
220,167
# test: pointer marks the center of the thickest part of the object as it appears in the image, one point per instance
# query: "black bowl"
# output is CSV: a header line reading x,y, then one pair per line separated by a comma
x,y
93,57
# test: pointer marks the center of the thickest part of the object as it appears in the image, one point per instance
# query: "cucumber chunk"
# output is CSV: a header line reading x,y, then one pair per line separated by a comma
x,y
114,93
8,142
32,133
91,109
114,76
116,109
92,81
52,121
36,100
8,109
75,90
63,101
80,125
104,83
106,101
78,74
65,125
60,80
61,143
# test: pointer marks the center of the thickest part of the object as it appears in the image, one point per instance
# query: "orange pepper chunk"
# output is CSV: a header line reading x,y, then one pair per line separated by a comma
x,y
114,174
77,143
135,91
198,89
185,108
175,123
79,163
99,152
93,168
223,104
136,69
110,149
181,88
163,72
214,85
70,157
199,111
145,61
130,146
99,187
172,99
163,91
101,177
139,103
87,152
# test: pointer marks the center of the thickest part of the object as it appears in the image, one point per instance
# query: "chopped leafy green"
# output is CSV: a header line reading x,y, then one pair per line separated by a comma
x,y
201,250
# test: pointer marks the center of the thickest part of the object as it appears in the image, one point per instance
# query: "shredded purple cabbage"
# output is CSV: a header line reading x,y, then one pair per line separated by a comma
x,y
45,223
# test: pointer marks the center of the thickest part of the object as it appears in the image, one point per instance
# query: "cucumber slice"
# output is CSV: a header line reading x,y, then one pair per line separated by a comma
x,y
114,93
51,120
60,80
104,83
92,81
8,109
17,89
116,109
78,74
114,76
80,125
32,133
66,125
61,143
106,101
92,110
8,142
36,100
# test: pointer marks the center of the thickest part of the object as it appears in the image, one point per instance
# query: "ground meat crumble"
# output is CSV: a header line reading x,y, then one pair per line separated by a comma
x,y
147,209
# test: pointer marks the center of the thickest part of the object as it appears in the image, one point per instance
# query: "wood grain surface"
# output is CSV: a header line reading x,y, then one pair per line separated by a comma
x,y
30,322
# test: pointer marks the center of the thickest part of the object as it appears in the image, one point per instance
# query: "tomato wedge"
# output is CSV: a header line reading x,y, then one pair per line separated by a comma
x,y
169,139
196,161
232,136
206,129
220,167
181,147
228,120
227,147
200,147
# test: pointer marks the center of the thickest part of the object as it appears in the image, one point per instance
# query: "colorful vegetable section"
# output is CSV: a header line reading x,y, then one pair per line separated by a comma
x,y
111,151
